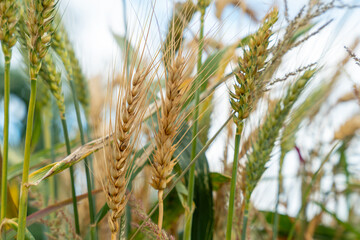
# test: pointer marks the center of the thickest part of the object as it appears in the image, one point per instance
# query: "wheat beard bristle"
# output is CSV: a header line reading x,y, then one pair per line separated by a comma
x,y
129,113
169,122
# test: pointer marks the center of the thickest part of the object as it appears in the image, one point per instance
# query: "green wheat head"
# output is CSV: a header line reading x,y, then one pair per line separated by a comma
x,y
262,148
40,16
8,21
248,84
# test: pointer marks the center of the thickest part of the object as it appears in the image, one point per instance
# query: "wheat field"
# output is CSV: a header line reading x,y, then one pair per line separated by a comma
x,y
188,119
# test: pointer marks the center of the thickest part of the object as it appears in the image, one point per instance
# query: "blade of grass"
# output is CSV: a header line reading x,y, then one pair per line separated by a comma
x,y
188,214
72,178
76,156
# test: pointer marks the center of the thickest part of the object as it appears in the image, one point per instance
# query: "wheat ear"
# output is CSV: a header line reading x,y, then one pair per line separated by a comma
x,y
8,21
39,19
249,85
48,73
265,142
168,122
183,14
262,148
248,88
130,110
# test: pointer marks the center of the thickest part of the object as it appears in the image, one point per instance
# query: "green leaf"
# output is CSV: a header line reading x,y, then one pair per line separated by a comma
x,y
285,222
210,67
102,213
37,159
218,179
346,225
14,225
182,193
203,217
80,153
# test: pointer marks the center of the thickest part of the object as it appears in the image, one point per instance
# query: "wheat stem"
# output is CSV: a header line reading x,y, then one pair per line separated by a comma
x,y
280,181
233,186
161,210
26,166
245,220
8,21
53,140
6,138
46,134
191,183
72,178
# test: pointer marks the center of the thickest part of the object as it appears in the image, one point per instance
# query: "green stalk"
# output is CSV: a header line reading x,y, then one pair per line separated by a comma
x,y
46,120
303,203
276,213
26,166
188,215
245,219
53,141
93,234
68,150
233,187
6,137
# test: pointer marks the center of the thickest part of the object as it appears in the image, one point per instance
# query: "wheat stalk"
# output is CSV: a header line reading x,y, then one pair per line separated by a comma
x,y
248,88
39,19
169,123
130,111
8,21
